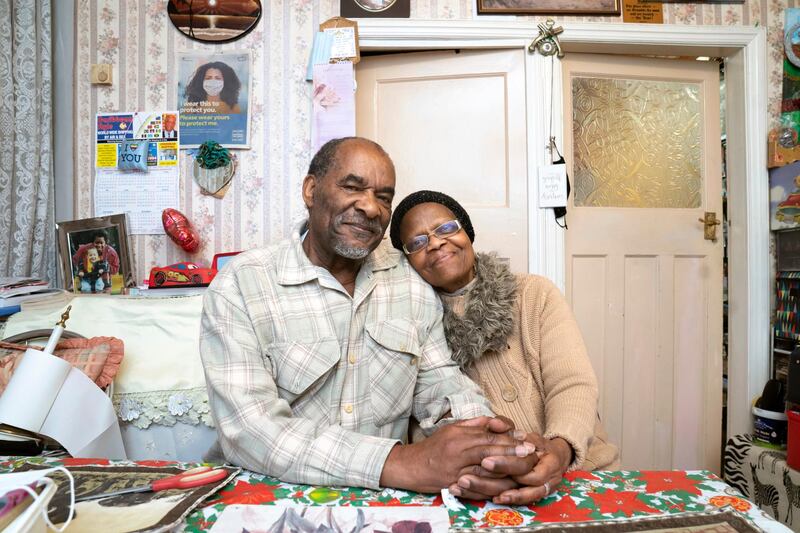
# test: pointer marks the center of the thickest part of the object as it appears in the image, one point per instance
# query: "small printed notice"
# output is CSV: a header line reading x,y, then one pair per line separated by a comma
x,y
642,11
344,42
159,129
107,155
552,186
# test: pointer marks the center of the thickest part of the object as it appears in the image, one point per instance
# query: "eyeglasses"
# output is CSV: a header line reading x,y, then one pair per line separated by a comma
x,y
445,231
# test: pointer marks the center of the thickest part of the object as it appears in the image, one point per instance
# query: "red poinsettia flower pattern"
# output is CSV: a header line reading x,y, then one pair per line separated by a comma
x,y
580,474
625,501
564,510
246,493
669,480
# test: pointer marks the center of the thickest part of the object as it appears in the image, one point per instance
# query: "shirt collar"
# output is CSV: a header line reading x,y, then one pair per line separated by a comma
x,y
295,267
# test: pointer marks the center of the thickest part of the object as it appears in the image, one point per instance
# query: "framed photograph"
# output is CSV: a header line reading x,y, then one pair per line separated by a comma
x,y
375,8
552,7
95,256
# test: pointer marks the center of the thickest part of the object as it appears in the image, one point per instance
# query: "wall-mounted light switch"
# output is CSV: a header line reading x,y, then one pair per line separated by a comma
x,y
100,74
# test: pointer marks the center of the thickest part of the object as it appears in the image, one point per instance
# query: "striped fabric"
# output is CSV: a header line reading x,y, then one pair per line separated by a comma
x,y
311,385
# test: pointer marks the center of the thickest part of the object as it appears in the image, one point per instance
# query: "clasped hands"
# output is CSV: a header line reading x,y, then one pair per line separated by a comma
x,y
481,458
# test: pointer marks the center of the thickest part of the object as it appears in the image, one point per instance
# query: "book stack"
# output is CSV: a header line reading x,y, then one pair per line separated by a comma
x,y
16,290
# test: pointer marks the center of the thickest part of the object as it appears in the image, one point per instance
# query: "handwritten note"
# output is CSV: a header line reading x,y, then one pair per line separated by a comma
x,y
553,186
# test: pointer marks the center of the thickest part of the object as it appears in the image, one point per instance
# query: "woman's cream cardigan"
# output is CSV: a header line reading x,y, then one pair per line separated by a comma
x,y
543,380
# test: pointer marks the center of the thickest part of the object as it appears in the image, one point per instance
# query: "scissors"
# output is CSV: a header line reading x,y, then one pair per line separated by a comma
x,y
196,477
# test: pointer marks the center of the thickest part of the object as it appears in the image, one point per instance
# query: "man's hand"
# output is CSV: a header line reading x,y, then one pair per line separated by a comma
x,y
438,461
555,456
495,475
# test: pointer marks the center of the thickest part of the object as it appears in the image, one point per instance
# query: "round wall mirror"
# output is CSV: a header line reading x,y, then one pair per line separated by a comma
x,y
375,5
214,21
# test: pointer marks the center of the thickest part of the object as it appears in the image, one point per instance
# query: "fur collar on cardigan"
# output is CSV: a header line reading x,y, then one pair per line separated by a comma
x,y
488,317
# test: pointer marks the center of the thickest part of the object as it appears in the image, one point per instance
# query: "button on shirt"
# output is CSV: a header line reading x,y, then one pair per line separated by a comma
x,y
311,385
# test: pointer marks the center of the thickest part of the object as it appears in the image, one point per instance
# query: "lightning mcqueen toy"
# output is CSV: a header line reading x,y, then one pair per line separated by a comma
x,y
187,274
181,275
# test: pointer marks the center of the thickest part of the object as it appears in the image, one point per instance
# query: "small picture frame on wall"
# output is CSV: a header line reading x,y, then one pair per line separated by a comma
x,y
550,7
94,255
375,8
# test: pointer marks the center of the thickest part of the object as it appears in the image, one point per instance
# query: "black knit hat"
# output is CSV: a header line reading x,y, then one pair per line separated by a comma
x,y
424,197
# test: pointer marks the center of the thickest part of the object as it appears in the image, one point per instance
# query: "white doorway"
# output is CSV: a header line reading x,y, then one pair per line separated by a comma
x,y
744,51
642,144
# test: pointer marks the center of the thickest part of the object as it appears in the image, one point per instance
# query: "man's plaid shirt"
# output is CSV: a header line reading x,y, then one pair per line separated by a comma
x,y
311,385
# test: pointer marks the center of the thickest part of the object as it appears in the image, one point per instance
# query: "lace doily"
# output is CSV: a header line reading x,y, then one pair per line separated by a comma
x,y
165,408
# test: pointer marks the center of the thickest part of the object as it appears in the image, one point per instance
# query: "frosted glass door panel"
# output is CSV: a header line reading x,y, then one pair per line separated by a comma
x,y
637,143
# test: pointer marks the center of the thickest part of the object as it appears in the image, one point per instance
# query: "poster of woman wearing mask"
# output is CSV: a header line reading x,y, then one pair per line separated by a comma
x,y
213,99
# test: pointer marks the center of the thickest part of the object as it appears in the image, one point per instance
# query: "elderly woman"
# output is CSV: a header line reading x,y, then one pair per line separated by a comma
x,y
513,335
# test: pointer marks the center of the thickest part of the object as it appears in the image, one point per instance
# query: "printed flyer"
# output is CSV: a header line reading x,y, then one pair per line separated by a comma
x,y
213,98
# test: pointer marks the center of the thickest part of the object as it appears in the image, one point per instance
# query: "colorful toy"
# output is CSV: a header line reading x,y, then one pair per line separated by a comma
x,y
180,230
187,274
181,275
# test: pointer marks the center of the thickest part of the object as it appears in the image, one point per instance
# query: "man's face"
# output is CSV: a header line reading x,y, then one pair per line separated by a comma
x,y
351,206
169,122
100,244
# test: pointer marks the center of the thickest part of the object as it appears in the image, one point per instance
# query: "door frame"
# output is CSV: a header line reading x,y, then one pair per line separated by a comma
x,y
744,49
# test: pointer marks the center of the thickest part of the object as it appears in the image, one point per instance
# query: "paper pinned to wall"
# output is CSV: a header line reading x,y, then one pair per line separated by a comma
x,y
142,195
157,128
334,103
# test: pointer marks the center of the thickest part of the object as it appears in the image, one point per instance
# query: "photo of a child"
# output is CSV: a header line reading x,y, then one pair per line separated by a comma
x,y
95,261
95,256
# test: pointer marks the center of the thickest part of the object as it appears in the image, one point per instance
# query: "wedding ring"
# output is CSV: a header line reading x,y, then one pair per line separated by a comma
x,y
546,488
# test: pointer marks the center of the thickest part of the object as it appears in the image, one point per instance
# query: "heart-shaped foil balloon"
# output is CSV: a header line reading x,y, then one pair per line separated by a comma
x,y
180,230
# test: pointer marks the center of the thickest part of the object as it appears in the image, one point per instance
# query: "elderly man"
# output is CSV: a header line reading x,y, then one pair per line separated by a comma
x,y
318,350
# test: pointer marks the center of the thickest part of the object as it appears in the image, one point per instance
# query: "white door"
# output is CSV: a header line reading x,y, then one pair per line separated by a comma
x,y
455,122
642,142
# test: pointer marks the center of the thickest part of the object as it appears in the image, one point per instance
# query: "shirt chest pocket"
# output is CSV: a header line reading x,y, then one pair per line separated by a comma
x,y
300,368
394,351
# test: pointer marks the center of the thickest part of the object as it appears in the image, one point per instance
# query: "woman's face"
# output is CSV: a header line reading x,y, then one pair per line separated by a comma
x,y
213,82
213,74
446,263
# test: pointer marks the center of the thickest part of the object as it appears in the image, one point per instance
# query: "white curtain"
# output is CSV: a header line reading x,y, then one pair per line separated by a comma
x,y
27,225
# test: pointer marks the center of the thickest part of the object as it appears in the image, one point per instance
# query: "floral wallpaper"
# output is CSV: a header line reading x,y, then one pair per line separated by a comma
x,y
264,202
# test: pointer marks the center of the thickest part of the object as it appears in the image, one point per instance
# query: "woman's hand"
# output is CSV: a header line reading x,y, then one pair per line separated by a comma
x,y
555,456
439,460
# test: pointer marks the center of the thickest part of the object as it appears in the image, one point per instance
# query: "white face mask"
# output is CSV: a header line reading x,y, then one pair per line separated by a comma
x,y
213,87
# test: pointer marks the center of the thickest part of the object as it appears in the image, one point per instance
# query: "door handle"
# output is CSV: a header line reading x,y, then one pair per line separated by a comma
x,y
710,224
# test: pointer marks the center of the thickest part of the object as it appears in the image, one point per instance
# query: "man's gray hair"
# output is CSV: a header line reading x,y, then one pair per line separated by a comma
x,y
325,157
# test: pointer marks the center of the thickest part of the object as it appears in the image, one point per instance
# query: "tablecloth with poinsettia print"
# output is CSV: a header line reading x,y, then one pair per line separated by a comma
x,y
582,497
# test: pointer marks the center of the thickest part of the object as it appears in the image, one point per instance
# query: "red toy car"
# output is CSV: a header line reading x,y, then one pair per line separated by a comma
x,y
181,275
187,274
